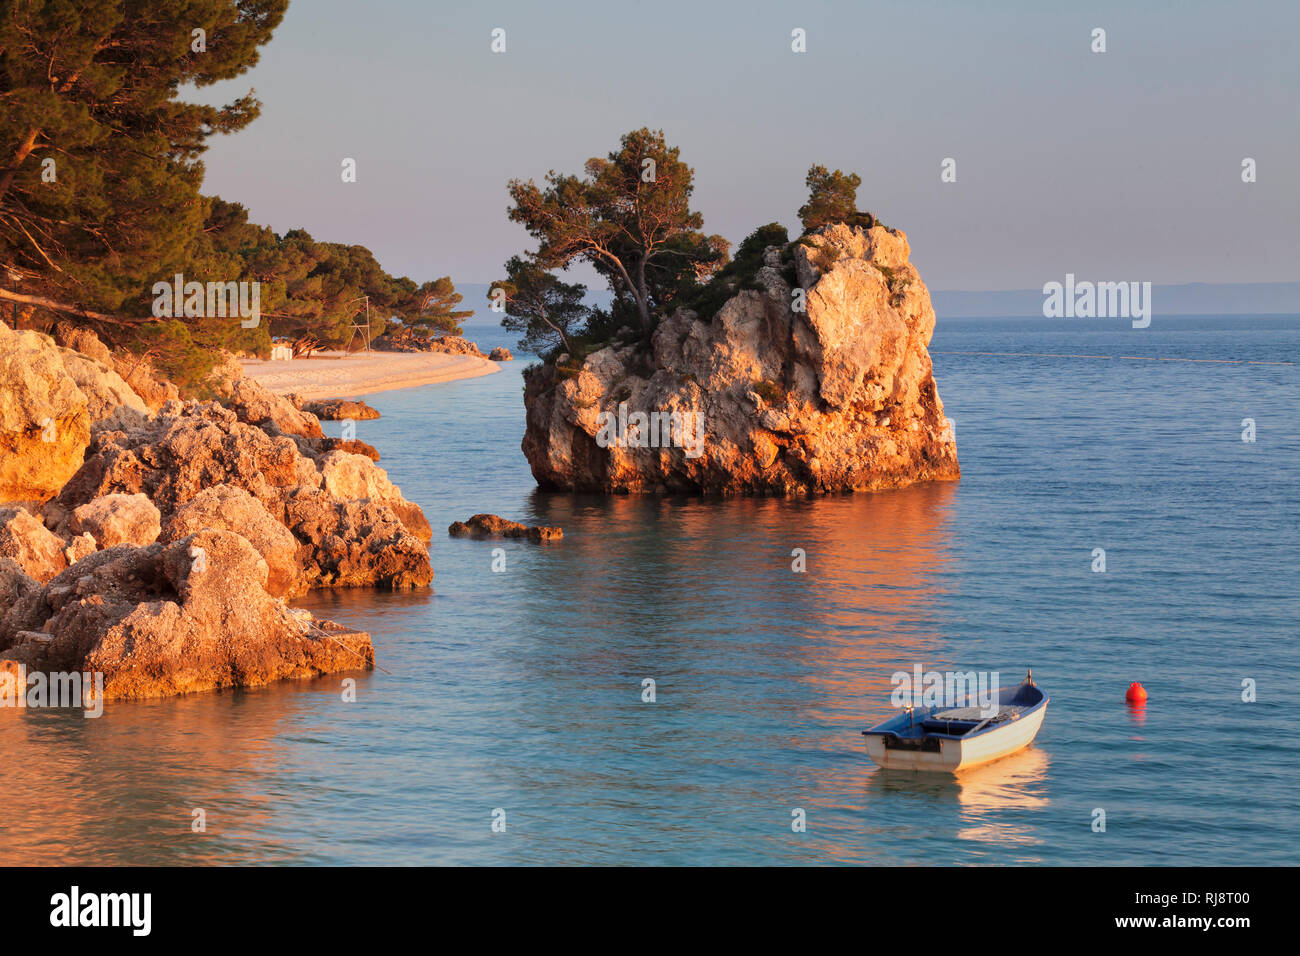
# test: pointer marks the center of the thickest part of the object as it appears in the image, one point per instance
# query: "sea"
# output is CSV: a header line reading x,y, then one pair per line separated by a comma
x,y
665,686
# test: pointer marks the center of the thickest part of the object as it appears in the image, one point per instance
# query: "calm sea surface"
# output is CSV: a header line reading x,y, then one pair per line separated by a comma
x,y
521,690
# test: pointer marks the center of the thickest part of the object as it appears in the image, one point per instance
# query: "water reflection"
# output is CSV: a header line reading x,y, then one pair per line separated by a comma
x,y
990,800
122,788
1137,712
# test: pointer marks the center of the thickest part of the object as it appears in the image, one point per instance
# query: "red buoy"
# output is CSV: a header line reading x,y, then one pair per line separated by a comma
x,y
1137,694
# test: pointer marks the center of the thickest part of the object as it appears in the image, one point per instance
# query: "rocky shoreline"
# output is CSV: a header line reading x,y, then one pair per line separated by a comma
x,y
813,377
156,541
407,340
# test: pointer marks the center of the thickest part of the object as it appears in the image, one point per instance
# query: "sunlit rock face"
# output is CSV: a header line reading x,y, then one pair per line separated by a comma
x,y
155,546
816,380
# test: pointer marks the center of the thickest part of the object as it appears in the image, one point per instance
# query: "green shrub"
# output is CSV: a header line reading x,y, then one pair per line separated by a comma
x,y
769,391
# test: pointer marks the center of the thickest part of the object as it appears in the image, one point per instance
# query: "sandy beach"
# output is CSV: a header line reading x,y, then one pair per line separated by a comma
x,y
338,375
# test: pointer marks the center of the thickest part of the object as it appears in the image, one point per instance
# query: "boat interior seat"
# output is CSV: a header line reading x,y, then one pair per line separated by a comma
x,y
961,720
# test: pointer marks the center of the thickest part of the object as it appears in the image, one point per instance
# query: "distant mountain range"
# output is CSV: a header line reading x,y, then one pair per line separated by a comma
x,y
1192,298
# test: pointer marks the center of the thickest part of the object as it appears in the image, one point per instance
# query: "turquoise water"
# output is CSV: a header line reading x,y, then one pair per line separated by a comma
x,y
521,690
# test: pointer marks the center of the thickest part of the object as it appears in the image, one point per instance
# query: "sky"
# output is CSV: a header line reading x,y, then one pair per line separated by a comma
x,y
1122,165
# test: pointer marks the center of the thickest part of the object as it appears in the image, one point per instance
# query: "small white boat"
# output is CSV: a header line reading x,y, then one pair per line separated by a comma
x,y
956,738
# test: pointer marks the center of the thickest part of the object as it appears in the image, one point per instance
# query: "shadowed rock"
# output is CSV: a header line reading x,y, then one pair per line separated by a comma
x,y
319,447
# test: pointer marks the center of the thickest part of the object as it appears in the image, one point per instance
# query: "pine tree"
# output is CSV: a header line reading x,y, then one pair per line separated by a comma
x,y
99,187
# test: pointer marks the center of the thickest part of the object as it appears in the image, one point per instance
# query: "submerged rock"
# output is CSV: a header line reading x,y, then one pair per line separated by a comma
x,y
494,526
760,397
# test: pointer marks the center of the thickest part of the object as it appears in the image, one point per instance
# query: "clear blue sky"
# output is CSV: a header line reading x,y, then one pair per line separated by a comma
x,y
1122,165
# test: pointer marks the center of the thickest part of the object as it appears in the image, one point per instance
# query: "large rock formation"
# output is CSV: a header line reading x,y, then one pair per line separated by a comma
x,y
178,529
49,398
352,525
770,399
189,616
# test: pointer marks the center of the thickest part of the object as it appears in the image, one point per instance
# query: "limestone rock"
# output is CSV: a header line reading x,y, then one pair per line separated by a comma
x,y
494,526
118,519
408,340
319,447
355,476
44,418
337,409
25,540
145,382
501,354
82,340
135,370
82,545
255,404
768,400
352,543
228,508
155,621
15,584
185,449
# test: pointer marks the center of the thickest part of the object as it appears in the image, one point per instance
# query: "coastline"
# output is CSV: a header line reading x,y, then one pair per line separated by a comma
x,y
336,375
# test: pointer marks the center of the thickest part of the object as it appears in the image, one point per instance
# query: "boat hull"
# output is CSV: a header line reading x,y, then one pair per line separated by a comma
x,y
955,753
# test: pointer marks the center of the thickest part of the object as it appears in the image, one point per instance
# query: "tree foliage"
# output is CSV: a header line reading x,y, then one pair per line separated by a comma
x,y
100,186
543,310
832,198
629,216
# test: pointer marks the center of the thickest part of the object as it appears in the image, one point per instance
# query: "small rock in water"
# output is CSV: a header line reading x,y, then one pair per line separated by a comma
x,y
337,409
494,526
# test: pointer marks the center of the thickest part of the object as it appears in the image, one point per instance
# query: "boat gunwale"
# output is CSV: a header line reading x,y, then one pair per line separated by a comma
x,y
876,731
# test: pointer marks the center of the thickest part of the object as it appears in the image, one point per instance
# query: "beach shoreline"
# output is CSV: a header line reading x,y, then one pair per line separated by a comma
x,y
340,375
